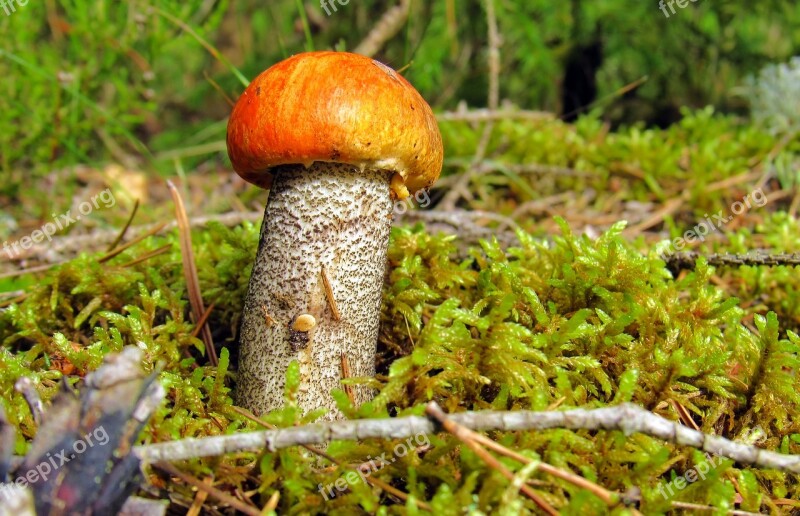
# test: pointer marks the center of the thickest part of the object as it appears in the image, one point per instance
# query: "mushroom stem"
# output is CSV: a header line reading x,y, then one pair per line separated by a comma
x,y
332,215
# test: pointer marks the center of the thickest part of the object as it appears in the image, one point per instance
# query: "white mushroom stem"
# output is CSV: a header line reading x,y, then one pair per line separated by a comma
x,y
330,215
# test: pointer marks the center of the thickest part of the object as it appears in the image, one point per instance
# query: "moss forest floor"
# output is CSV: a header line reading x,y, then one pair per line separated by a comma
x,y
570,305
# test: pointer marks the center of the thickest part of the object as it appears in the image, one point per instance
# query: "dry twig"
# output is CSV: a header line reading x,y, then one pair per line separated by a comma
x,y
686,260
489,115
370,480
385,29
626,417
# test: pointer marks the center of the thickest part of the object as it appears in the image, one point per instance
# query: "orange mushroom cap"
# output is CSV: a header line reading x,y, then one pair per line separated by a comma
x,y
336,107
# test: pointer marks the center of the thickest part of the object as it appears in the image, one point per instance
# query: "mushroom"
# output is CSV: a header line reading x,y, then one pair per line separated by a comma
x,y
337,137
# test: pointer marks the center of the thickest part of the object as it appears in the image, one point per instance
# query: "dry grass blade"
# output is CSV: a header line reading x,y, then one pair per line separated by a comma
x,y
272,503
656,218
212,491
219,89
132,243
121,235
467,436
460,189
190,272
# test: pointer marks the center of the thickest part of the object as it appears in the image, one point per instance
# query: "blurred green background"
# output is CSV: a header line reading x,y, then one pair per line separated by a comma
x,y
143,83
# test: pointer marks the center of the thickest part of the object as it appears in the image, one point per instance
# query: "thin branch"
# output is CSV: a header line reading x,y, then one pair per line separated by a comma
x,y
463,223
24,386
459,189
385,29
686,260
627,417
489,165
369,479
488,115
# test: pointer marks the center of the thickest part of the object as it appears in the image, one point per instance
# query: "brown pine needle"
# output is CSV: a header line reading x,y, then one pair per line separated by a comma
x,y
17,299
348,389
190,272
212,491
467,436
146,256
396,492
202,320
326,284
684,415
609,497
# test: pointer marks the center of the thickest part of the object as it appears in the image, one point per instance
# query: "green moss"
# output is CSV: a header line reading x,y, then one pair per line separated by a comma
x,y
560,322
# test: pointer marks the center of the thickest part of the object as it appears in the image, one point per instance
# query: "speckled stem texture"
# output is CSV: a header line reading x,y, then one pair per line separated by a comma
x,y
330,215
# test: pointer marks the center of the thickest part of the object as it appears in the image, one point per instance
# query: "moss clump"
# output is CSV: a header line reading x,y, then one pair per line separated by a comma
x,y
562,322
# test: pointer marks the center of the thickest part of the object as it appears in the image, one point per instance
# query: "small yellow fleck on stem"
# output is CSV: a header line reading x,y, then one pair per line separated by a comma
x,y
304,323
